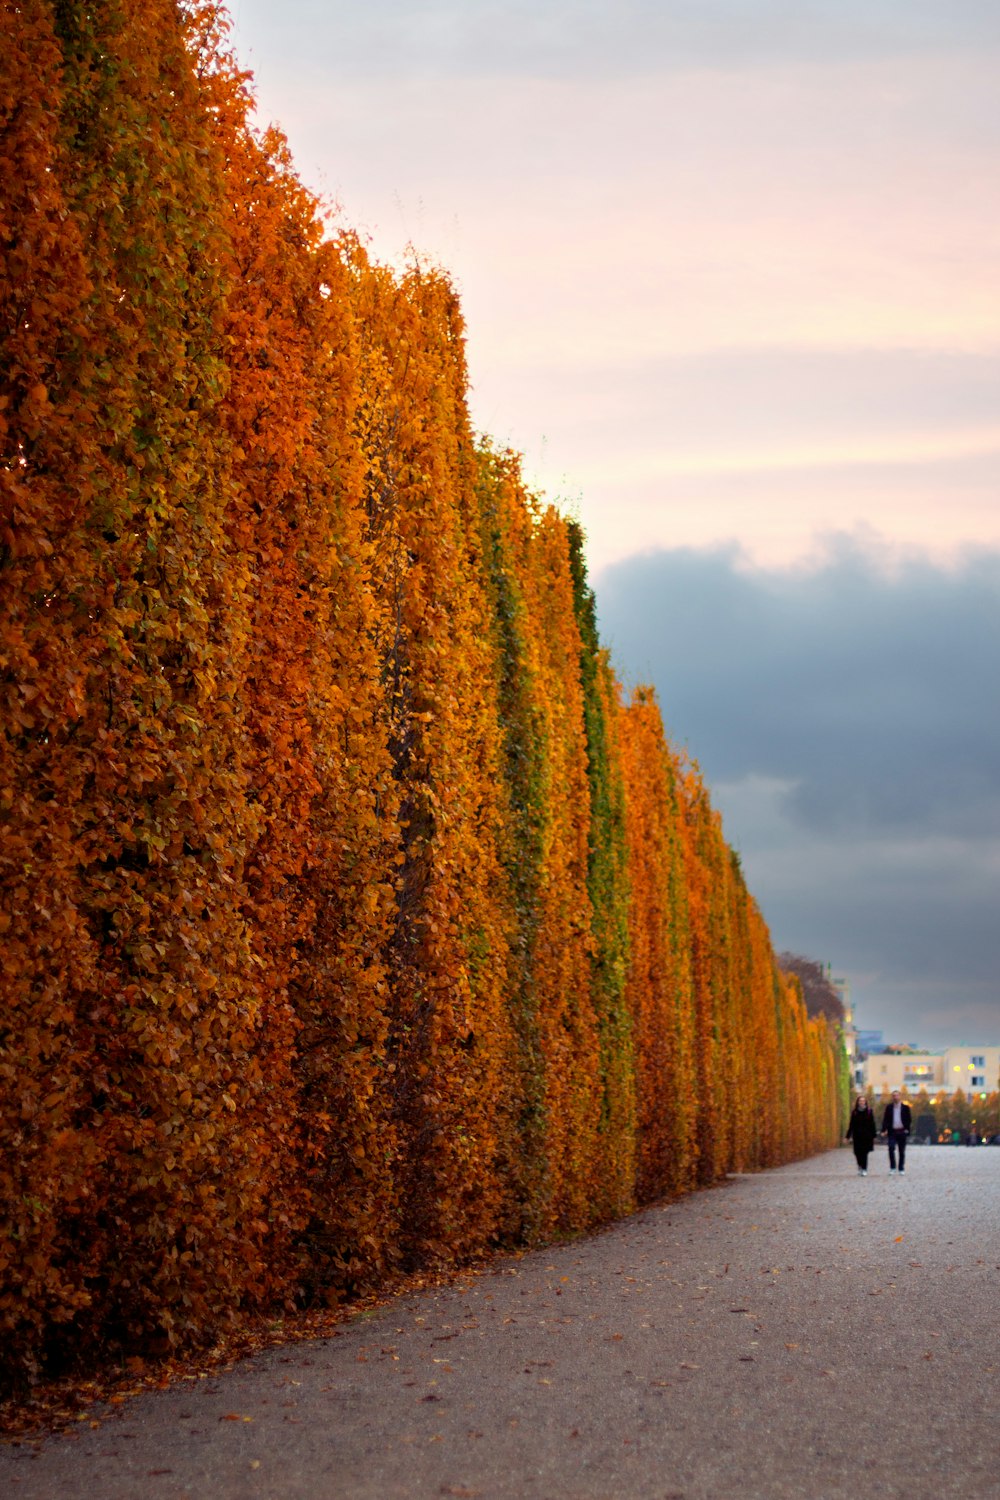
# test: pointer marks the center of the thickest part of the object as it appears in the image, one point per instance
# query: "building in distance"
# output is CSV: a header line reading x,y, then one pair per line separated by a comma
x,y
973,1069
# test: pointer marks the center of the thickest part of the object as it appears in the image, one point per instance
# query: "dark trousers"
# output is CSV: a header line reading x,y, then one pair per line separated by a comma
x,y
861,1154
897,1139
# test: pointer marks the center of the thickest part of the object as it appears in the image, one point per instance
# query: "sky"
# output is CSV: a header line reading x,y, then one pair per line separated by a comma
x,y
730,273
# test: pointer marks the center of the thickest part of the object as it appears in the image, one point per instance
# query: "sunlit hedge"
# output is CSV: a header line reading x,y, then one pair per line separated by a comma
x,y
351,917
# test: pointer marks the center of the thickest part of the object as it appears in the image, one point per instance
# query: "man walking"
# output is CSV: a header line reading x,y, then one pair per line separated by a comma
x,y
896,1125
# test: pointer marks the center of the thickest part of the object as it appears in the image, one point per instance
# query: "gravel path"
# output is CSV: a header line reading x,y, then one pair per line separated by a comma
x,y
798,1333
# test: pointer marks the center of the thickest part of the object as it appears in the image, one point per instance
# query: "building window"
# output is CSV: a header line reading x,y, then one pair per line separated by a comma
x,y
979,1080
979,1062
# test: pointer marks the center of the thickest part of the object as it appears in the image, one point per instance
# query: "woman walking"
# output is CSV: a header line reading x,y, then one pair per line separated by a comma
x,y
861,1132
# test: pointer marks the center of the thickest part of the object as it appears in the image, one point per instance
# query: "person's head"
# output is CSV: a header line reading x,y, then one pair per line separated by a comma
x,y
896,1096
861,1102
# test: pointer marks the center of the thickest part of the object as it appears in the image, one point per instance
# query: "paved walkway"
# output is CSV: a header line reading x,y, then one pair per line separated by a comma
x,y
801,1333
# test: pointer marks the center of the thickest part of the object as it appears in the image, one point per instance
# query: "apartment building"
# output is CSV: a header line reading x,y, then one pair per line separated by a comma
x,y
974,1069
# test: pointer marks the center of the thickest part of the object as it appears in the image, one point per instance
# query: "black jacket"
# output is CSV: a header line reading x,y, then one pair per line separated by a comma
x,y
861,1127
905,1116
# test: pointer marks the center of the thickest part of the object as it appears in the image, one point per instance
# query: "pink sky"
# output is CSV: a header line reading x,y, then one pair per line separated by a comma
x,y
815,239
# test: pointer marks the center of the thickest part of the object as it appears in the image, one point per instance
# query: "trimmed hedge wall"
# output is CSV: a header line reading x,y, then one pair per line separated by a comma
x,y
351,918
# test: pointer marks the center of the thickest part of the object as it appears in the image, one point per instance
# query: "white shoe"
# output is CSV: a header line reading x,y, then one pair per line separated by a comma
x,y
864,1171
892,1171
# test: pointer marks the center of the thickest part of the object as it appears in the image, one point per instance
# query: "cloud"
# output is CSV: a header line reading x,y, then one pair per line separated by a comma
x,y
936,505
909,401
771,445
846,718
708,298
686,294
552,38
863,680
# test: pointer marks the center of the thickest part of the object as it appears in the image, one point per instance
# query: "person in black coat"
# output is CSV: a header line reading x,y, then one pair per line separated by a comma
x,y
896,1125
861,1132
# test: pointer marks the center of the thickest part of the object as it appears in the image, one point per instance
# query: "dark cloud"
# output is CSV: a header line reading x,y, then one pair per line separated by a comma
x,y
847,718
871,688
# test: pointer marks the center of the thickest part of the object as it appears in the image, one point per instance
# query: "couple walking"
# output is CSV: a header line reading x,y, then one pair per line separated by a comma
x,y
895,1125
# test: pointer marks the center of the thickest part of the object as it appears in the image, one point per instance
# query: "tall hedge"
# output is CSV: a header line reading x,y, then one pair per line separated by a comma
x,y
350,917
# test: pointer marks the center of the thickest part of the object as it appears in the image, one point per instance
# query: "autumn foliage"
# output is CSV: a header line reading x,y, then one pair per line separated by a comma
x,y
352,918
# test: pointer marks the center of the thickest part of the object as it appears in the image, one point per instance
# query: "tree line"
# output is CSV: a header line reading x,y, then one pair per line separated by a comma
x,y
353,917
944,1115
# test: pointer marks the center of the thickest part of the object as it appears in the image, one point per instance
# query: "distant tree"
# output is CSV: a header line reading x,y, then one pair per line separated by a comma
x,y
960,1112
819,994
988,1115
941,1105
924,1118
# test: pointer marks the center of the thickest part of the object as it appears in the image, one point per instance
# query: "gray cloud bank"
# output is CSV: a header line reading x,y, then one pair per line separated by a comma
x,y
847,718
